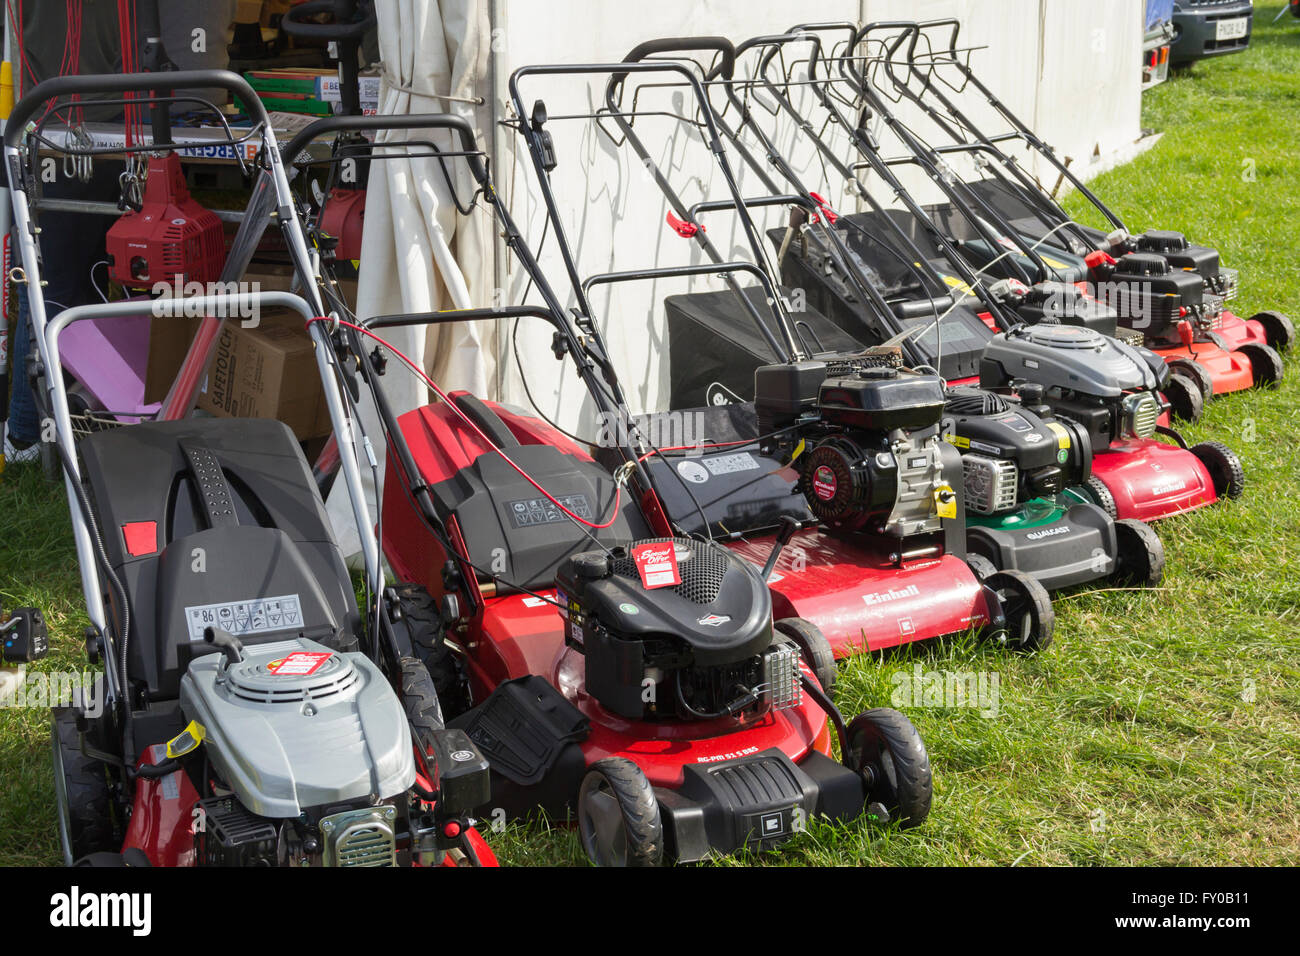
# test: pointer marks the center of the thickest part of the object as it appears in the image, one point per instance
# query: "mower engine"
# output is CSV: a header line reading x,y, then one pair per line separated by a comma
x,y
310,750
676,629
1151,295
171,238
1014,451
872,460
1112,390
1174,248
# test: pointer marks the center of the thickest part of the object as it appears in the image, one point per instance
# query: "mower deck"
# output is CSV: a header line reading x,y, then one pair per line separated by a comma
x,y
860,599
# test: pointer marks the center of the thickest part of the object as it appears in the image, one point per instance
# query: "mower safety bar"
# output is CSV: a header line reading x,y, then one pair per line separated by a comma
x,y
725,67
774,42
788,199
364,124
295,25
404,319
61,86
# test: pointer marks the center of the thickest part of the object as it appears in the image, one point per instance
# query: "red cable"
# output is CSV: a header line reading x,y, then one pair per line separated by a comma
x,y
703,444
618,488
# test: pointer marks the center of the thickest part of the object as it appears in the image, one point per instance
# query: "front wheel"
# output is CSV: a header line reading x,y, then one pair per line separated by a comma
x,y
1185,399
886,749
1140,555
1224,467
1279,332
1197,373
618,815
1027,608
1265,364
814,648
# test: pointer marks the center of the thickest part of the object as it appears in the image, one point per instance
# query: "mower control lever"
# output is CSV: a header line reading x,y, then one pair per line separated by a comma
x,y
783,535
229,645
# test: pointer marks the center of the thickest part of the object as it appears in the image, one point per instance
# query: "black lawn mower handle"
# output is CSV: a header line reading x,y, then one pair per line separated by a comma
x,y
365,124
60,86
340,29
684,45
773,42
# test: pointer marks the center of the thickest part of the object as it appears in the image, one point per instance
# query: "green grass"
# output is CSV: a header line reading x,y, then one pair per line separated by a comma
x,y
1161,728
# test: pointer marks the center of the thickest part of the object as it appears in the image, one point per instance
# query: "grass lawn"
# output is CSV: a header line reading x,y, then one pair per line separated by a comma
x,y
1161,728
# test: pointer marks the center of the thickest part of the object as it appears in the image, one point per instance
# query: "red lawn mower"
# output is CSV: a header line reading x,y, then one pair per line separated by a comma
x,y
1110,388
607,663
1183,286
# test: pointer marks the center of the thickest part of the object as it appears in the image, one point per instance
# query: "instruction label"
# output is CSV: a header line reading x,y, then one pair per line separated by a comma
x,y
253,616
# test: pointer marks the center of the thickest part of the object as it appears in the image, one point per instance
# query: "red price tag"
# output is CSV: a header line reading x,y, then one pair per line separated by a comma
x,y
657,564
299,663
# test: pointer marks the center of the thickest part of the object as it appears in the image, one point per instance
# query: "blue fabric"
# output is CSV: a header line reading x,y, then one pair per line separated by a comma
x,y
24,424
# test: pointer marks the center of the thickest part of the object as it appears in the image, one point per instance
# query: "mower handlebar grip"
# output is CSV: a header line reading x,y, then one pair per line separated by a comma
x,y
685,45
457,125
327,31
59,86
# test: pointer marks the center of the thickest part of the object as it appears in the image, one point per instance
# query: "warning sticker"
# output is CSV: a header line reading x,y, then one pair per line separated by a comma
x,y
254,616
657,564
730,464
299,663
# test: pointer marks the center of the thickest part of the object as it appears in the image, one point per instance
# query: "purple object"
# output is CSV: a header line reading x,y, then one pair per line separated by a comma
x,y
109,357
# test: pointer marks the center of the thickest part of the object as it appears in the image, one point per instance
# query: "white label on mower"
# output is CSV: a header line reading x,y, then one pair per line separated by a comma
x,y
730,464
254,616
1231,29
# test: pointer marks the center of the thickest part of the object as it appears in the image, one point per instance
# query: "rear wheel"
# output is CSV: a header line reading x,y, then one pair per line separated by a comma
x,y
1278,330
1140,554
420,701
84,800
981,566
1198,373
1265,364
886,749
1027,607
1101,496
618,815
1224,467
1185,399
415,607
814,647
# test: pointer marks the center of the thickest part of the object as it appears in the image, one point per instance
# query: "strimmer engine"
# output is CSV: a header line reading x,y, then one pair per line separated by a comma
x,y
1014,450
171,238
310,750
676,629
863,434
1112,389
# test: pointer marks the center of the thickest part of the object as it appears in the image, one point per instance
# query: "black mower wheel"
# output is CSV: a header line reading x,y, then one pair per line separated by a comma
x,y
1185,399
618,815
84,802
1028,610
428,637
1101,495
814,648
981,566
1265,364
1278,329
420,701
887,750
1224,467
1140,554
1198,373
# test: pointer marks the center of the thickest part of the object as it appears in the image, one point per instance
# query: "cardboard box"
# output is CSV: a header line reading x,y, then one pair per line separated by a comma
x,y
267,372
169,339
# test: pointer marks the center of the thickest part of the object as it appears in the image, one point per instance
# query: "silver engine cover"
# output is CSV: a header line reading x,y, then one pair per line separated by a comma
x,y
296,725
